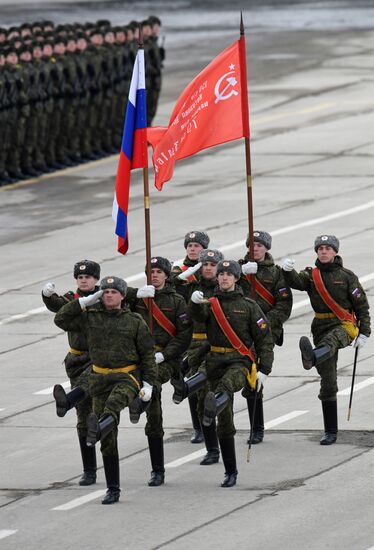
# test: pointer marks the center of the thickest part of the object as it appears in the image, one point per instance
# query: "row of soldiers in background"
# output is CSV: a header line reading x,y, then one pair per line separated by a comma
x,y
204,319
63,92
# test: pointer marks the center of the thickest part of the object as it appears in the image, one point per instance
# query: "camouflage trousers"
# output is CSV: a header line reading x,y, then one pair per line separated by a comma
x,y
166,371
227,376
196,354
337,338
111,393
78,368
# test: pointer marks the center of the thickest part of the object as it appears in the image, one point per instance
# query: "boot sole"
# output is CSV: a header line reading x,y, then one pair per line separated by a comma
x,y
210,409
178,395
92,430
62,403
307,355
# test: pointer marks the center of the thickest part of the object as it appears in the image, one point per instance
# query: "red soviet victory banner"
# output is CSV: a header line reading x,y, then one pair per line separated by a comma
x,y
210,111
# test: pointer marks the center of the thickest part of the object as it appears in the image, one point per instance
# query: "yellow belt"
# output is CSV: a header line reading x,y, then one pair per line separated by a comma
x,y
217,349
324,315
127,370
199,336
159,348
76,351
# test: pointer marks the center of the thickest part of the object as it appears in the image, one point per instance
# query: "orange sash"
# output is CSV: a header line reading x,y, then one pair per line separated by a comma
x,y
191,278
262,291
161,319
341,313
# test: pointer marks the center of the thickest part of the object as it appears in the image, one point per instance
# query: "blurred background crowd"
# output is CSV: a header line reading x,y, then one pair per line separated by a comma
x,y
64,88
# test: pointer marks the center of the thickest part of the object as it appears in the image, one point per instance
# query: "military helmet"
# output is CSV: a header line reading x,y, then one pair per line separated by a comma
x,y
199,237
328,240
87,267
114,282
230,266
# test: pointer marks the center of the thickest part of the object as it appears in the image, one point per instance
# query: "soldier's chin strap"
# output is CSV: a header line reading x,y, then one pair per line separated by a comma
x,y
252,422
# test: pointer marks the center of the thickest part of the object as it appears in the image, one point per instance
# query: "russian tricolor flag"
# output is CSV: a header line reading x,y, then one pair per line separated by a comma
x,y
134,152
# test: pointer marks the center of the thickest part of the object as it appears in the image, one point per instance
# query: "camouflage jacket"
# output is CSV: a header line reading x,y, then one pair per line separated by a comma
x,y
271,277
77,340
174,308
247,320
116,338
341,283
207,287
182,286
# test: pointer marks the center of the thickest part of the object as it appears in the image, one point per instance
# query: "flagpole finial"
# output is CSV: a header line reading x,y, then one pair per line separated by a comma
x,y
140,41
241,24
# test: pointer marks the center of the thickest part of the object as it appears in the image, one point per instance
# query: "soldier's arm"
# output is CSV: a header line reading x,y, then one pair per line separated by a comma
x,y
360,304
178,345
55,302
299,281
131,297
262,338
145,348
283,302
70,317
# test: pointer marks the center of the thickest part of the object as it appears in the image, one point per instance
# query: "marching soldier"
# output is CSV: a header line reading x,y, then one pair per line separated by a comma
x,y
122,352
274,297
233,325
195,386
172,331
77,362
341,315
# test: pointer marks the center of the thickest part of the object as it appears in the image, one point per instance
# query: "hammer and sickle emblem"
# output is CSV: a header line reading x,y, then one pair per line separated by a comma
x,y
226,93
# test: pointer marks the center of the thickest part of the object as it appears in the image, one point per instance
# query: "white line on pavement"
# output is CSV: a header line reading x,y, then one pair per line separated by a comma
x,y
6,533
81,500
358,387
49,391
231,246
201,452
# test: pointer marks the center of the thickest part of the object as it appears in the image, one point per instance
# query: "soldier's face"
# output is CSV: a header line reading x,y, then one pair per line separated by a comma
x,y
37,52
259,251
112,298
209,270
59,48
47,50
86,283
25,56
193,250
12,58
226,281
326,254
120,37
158,278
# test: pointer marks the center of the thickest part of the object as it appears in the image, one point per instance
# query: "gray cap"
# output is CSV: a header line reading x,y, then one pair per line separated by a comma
x,y
261,237
210,255
114,282
230,266
328,240
87,267
199,237
161,263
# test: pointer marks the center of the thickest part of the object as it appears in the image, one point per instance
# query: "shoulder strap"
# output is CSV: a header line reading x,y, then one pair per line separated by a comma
x,y
263,291
161,319
228,331
341,313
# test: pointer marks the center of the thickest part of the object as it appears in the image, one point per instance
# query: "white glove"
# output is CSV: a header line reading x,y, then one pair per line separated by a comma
x,y
190,271
261,379
250,268
145,393
288,264
146,291
197,297
48,289
159,358
90,300
360,341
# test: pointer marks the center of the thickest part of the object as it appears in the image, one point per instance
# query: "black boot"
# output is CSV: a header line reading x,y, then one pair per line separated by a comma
x,y
312,356
197,436
184,388
156,451
66,401
211,443
330,420
89,462
229,460
213,405
136,408
111,469
98,429
258,425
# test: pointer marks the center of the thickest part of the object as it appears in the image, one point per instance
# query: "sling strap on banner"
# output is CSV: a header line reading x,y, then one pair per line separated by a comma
x,y
161,319
262,291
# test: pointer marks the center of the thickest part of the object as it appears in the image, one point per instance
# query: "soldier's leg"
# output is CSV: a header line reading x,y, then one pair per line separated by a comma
x,y
255,413
84,408
154,431
327,343
209,432
328,391
226,432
